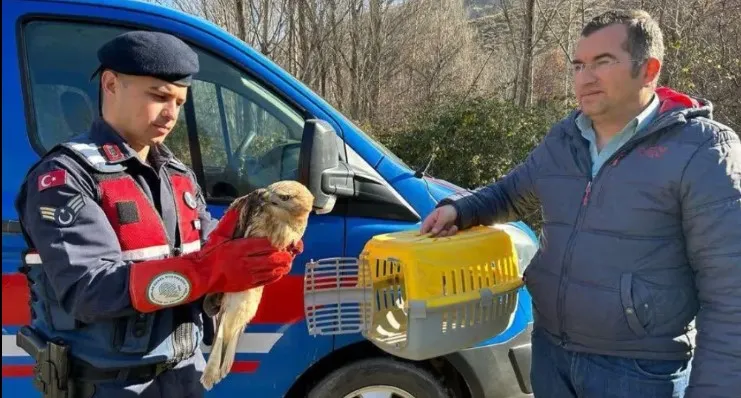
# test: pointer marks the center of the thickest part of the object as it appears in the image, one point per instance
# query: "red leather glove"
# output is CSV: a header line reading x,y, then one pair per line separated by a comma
x,y
224,229
223,264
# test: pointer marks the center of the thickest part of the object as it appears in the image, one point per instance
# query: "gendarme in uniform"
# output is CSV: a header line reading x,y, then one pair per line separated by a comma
x,y
90,208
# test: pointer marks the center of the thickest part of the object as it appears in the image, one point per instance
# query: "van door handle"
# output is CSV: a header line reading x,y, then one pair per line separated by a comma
x,y
11,227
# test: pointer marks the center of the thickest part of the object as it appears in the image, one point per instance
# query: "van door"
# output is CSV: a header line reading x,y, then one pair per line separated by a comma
x,y
234,131
17,157
377,208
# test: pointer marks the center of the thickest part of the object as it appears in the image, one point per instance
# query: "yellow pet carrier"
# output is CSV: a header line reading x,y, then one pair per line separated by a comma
x,y
418,297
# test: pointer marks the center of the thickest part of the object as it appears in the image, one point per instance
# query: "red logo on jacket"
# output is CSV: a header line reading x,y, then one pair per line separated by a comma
x,y
653,152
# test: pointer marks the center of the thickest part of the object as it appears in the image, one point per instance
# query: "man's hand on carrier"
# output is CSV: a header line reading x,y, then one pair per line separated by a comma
x,y
441,222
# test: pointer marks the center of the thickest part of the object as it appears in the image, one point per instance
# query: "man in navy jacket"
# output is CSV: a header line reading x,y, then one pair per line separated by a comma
x,y
641,196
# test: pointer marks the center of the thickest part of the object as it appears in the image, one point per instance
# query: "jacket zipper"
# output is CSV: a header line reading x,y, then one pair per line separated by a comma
x,y
179,335
182,341
143,318
580,219
587,192
567,260
159,216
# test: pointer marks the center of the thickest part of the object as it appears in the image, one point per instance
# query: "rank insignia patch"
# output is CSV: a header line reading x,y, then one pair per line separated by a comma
x,y
112,152
66,215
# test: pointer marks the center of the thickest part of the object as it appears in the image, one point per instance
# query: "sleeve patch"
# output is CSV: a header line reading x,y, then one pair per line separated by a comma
x,y
66,215
52,179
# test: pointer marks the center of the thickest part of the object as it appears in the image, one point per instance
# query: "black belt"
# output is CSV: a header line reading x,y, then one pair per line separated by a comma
x,y
85,372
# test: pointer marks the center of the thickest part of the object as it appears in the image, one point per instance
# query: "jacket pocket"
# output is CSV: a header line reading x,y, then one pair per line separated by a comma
x,y
635,300
55,314
119,332
132,334
673,305
542,287
659,368
60,319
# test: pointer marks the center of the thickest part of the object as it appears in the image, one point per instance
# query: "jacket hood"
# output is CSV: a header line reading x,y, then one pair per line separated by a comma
x,y
671,100
677,108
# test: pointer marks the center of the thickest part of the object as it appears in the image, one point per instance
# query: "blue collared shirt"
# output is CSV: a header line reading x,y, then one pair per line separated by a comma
x,y
629,131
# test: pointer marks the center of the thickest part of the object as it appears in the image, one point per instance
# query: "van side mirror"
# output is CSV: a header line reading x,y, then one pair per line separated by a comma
x,y
320,168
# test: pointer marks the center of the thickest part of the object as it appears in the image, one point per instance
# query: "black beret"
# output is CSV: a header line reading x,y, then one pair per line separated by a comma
x,y
145,53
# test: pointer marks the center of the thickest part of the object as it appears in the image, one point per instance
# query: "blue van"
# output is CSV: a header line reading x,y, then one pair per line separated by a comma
x,y
246,123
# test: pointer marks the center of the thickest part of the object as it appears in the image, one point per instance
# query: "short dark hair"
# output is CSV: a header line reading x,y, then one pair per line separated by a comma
x,y
644,35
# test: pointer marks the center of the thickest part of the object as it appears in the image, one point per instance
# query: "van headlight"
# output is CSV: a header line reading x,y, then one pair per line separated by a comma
x,y
525,245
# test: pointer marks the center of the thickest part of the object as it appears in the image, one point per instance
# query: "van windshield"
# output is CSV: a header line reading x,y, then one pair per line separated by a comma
x,y
387,152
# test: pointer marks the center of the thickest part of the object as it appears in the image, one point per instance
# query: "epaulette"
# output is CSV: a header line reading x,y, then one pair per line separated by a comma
x,y
104,158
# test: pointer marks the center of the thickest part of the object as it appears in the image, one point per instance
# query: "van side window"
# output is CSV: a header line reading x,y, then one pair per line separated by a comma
x,y
61,57
249,138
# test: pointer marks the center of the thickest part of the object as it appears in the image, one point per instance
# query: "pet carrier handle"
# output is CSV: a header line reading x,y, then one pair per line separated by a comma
x,y
485,294
339,296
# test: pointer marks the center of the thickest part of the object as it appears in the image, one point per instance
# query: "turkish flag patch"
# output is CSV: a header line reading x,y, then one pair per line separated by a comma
x,y
51,179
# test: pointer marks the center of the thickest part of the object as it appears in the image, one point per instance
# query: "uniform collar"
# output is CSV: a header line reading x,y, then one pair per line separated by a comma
x,y
163,152
159,156
117,150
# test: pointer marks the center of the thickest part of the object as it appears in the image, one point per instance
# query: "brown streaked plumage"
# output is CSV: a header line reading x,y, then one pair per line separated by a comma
x,y
280,213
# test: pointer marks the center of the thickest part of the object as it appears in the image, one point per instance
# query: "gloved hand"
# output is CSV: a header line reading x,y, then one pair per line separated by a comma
x,y
223,264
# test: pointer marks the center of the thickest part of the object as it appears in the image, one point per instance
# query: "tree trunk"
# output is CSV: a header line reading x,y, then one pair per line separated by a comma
x,y
303,39
265,20
291,34
527,56
376,37
354,63
241,23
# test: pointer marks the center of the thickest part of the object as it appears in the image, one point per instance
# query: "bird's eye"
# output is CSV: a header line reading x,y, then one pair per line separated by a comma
x,y
284,197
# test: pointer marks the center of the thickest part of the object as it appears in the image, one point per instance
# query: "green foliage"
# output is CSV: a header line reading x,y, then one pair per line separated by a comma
x,y
476,141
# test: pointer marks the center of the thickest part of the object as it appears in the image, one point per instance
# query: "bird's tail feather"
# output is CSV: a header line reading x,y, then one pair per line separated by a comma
x,y
230,326
211,374
230,351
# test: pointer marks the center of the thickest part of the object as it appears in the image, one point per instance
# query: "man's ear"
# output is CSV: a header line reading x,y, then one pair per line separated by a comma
x,y
653,68
108,82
